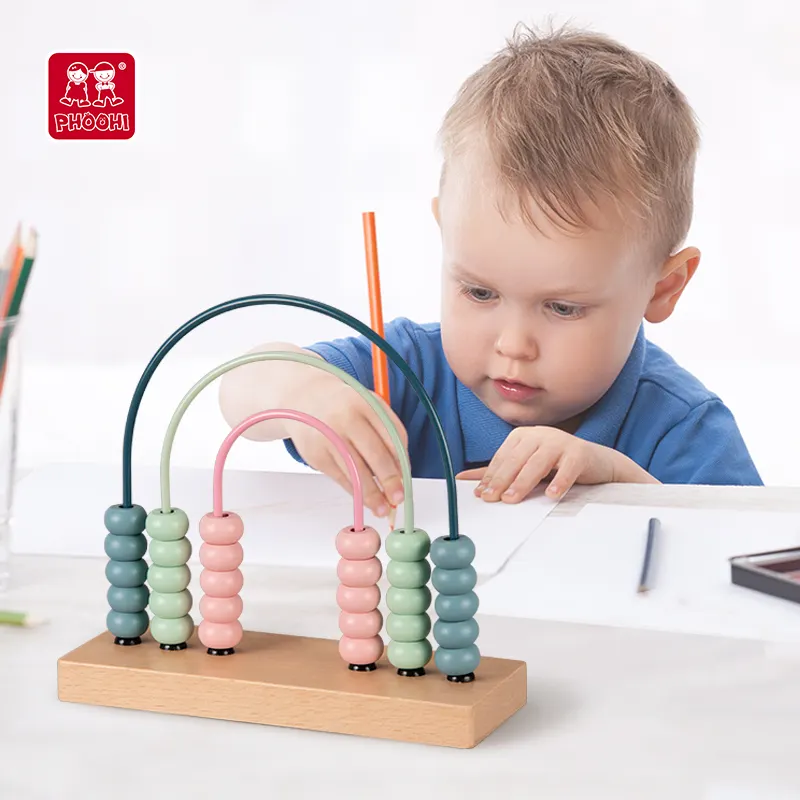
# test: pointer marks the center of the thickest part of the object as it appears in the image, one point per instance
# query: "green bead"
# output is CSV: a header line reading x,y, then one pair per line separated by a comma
x,y
124,521
408,574
127,626
453,553
171,631
168,579
454,581
408,601
455,608
125,548
408,627
126,574
408,546
409,655
170,554
458,662
455,635
171,605
128,600
167,527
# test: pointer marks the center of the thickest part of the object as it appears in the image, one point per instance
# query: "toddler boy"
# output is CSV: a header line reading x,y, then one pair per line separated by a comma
x,y
564,201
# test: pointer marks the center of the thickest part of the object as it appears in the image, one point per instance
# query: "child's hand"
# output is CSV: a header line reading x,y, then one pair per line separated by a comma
x,y
531,454
340,407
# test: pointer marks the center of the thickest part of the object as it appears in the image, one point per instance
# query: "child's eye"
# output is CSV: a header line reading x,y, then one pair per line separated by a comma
x,y
566,310
478,294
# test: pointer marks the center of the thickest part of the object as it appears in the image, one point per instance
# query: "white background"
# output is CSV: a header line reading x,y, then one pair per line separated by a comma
x,y
264,129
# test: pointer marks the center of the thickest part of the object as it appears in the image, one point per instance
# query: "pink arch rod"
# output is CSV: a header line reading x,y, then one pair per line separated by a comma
x,y
296,416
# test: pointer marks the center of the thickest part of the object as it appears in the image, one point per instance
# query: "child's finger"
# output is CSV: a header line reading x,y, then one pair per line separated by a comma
x,y
381,459
567,473
506,470
332,464
471,474
532,473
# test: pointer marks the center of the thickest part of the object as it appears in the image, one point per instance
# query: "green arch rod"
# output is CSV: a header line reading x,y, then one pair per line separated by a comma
x,y
309,305
302,358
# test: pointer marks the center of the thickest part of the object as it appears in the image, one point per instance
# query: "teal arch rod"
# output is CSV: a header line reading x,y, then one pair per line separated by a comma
x,y
308,305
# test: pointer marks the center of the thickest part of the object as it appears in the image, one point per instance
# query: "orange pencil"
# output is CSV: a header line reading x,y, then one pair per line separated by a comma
x,y
380,369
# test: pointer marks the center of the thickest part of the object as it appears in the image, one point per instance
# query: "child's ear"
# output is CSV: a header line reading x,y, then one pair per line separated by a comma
x,y
676,272
435,209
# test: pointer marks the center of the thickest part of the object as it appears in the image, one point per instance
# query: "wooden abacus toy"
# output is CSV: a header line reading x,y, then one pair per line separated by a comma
x,y
357,685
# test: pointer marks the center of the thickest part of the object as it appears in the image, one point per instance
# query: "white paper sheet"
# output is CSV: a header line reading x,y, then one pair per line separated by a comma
x,y
291,519
586,569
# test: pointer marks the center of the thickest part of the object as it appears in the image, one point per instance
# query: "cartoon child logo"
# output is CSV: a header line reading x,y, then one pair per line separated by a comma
x,y
98,102
77,91
104,77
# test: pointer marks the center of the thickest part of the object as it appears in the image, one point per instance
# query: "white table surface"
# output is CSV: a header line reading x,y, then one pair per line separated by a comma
x,y
612,713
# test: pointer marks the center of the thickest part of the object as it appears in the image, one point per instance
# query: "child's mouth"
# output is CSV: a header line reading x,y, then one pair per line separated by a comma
x,y
518,392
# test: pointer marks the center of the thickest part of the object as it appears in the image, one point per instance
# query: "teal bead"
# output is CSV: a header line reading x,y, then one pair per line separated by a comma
x,y
127,626
171,631
456,635
453,553
171,605
126,574
128,600
458,662
409,655
167,527
412,546
125,548
454,581
408,574
455,608
408,601
170,554
168,579
408,627
125,521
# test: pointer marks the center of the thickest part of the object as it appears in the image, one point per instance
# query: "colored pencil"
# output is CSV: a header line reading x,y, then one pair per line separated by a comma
x,y
19,619
653,527
379,364
15,293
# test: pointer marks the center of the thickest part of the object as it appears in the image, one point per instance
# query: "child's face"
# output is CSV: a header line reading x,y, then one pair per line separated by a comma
x,y
537,326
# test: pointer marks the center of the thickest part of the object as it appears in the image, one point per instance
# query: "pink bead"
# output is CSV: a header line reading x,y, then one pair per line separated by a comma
x,y
221,584
220,635
221,530
361,626
360,651
358,545
358,573
221,609
358,600
221,557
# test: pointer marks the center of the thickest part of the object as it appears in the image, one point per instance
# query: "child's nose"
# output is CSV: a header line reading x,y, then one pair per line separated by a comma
x,y
517,342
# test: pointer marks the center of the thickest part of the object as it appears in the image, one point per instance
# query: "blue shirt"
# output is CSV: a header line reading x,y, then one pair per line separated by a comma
x,y
655,412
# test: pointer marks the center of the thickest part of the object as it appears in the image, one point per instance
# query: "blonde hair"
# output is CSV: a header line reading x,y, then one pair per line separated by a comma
x,y
570,115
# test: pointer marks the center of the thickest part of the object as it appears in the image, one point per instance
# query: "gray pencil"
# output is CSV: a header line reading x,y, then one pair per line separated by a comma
x,y
653,527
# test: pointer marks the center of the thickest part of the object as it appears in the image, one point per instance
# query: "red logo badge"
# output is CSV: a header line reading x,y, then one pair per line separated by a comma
x,y
91,96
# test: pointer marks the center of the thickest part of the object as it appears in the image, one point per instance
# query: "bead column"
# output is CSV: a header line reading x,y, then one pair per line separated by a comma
x,y
408,599
455,630
169,577
358,595
221,555
126,571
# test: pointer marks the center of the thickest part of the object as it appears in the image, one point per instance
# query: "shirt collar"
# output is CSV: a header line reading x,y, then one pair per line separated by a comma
x,y
483,431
